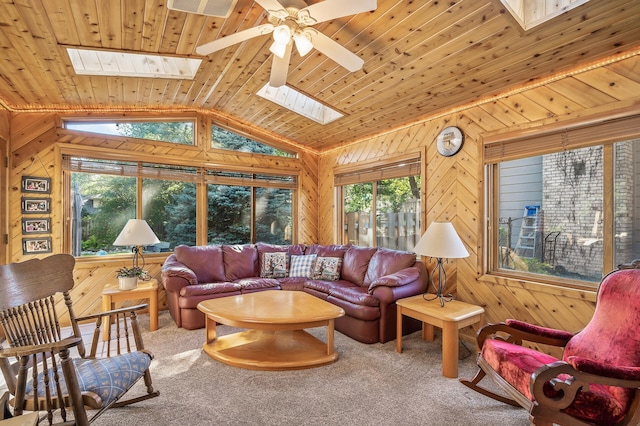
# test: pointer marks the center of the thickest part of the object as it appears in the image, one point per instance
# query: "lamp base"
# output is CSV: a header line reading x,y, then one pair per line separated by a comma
x,y
442,281
443,299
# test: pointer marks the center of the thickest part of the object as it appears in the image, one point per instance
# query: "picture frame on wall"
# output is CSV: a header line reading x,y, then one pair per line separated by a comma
x,y
40,225
36,205
36,245
39,185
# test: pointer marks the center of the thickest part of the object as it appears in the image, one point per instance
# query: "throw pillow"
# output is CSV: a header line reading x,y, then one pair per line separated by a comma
x,y
274,265
302,266
327,268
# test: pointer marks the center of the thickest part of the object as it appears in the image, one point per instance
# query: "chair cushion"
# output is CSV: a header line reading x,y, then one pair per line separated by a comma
x,y
109,378
516,364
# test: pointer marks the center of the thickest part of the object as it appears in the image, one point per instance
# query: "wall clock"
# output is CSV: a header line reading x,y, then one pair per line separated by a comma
x,y
449,141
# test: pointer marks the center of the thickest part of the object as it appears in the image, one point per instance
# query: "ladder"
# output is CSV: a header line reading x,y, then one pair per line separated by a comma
x,y
529,232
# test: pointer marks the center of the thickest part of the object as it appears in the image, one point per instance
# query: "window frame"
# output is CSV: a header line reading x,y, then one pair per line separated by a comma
x,y
406,165
200,178
604,129
133,119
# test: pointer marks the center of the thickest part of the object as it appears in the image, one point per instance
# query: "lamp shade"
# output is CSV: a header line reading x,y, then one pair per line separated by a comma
x,y
136,232
441,240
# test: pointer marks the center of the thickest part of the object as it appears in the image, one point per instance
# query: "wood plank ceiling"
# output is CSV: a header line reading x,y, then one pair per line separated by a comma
x,y
422,58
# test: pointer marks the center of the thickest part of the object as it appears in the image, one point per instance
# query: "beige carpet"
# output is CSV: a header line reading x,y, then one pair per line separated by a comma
x,y
368,385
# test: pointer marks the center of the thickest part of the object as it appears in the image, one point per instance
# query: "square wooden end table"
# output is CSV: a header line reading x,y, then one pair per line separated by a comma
x,y
145,290
451,317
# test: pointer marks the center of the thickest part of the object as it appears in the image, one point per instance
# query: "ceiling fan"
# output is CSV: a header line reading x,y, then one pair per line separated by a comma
x,y
290,22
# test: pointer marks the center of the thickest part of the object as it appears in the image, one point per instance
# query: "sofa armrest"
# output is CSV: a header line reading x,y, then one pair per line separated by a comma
x,y
397,279
404,283
209,288
176,275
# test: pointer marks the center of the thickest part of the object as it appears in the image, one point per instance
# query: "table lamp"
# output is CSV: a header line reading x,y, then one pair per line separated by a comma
x,y
442,242
136,233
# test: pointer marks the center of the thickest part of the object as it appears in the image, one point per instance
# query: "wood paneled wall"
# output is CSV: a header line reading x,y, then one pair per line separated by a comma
x,y
454,185
37,143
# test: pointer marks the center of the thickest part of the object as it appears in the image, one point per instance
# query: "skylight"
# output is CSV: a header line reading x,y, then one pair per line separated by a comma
x,y
300,103
530,13
111,63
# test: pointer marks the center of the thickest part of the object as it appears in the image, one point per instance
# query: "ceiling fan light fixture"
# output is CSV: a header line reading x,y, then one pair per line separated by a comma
x,y
278,49
282,34
303,42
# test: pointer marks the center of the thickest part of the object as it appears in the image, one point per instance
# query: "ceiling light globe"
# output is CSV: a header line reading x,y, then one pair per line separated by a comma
x,y
278,49
282,34
303,43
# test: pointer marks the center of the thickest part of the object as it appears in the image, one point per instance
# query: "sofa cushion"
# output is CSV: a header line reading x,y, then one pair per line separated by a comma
x,y
205,261
356,295
240,261
302,266
327,268
326,287
257,284
386,261
274,265
355,263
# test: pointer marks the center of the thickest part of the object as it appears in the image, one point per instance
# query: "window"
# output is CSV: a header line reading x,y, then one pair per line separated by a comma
x,y
176,131
568,215
241,207
381,204
226,139
104,196
245,208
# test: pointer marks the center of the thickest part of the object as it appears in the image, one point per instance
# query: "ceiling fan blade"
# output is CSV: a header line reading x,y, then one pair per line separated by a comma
x,y
273,7
331,9
336,52
234,38
280,68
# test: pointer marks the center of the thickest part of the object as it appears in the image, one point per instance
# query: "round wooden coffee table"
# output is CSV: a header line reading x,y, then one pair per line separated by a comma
x,y
275,338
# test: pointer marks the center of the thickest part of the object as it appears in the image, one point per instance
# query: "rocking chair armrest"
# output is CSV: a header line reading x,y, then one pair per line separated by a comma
x,y
113,311
507,332
601,369
27,350
539,330
556,384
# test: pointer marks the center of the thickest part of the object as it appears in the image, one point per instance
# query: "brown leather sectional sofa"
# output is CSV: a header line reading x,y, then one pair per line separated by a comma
x,y
370,282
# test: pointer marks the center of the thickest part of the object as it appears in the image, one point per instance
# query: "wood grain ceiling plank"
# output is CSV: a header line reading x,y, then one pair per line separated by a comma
x,y
194,27
155,14
110,24
61,19
581,93
527,109
554,102
499,64
610,82
85,19
388,49
132,24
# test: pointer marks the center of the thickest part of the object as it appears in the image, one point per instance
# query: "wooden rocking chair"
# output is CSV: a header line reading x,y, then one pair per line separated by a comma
x,y
597,381
33,296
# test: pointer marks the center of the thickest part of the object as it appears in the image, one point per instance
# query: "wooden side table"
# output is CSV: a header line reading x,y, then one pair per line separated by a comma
x,y
145,290
451,318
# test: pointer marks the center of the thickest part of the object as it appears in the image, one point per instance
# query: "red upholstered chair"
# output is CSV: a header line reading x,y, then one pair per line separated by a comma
x,y
597,381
